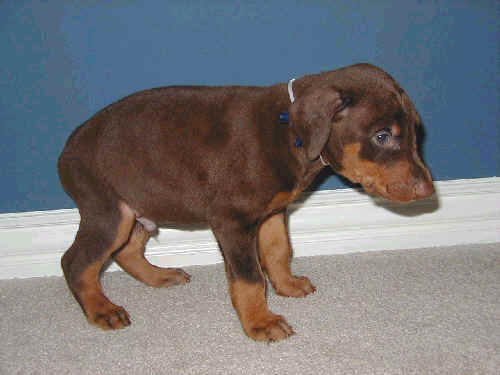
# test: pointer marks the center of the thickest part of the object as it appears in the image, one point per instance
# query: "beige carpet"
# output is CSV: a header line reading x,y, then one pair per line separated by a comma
x,y
426,311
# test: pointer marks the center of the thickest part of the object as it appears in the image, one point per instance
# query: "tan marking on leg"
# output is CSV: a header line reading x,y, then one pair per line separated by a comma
x,y
100,311
249,301
275,253
131,259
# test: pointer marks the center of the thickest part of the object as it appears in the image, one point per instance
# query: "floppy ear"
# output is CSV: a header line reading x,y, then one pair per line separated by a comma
x,y
311,116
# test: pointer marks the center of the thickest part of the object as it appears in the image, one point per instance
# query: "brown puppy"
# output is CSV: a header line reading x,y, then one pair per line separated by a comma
x,y
219,155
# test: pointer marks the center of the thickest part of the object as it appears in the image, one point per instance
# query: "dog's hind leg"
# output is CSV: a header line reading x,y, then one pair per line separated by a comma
x,y
97,238
105,226
131,259
275,253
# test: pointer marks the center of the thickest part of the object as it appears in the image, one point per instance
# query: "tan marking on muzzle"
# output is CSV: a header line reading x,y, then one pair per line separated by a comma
x,y
395,182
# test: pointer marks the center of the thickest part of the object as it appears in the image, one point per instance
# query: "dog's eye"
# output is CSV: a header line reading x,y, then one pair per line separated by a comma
x,y
383,137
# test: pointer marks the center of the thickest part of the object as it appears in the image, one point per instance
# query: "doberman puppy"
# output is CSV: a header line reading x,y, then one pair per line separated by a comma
x,y
221,156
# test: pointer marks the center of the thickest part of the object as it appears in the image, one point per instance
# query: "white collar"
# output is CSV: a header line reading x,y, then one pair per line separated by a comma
x,y
290,90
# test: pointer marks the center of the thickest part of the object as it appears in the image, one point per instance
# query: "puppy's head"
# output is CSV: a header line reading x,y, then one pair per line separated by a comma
x,y
361,122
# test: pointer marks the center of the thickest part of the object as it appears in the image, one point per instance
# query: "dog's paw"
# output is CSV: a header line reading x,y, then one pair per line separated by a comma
x,y
171,276
109,317
295,287
271,328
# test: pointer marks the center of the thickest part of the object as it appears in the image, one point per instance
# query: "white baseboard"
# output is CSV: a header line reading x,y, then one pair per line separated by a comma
x,y
321,223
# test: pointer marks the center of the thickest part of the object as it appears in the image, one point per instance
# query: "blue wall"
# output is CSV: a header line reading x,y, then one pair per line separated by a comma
x,y
64,60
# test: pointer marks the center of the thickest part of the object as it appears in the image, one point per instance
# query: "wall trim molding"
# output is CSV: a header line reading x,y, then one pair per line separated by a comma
x,y
324,222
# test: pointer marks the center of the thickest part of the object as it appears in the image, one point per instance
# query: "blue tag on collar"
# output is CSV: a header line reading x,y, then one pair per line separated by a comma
x,y
298,142
284,118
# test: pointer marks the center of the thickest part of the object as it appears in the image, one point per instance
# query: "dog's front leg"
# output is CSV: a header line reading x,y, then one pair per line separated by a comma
x,y
274,255
247,285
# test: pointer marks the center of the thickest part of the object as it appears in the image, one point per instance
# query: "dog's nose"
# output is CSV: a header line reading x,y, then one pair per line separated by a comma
x,y
423,189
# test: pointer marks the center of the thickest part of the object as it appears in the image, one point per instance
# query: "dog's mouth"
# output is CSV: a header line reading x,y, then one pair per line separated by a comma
x,y
397,192
383,193
371,187
375,188
377,191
